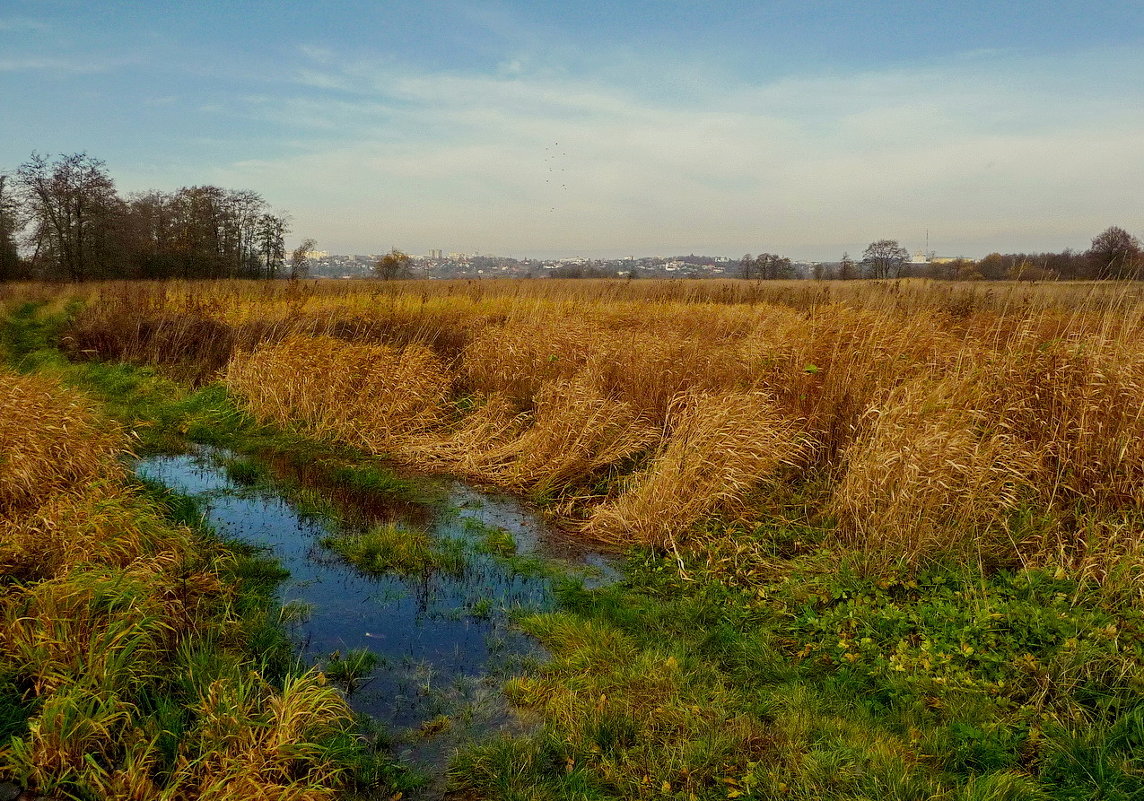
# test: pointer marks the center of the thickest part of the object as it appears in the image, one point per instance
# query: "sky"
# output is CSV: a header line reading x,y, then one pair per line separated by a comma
x,y
652,127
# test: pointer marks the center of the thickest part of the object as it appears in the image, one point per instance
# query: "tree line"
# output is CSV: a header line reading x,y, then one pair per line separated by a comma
x,y
74,225
1114,254
63,218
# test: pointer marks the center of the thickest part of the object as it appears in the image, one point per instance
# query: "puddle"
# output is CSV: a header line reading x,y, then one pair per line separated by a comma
x,y
445,642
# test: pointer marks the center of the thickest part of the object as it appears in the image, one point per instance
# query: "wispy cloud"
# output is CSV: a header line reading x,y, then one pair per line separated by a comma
x,y
60,65
23,24
987,150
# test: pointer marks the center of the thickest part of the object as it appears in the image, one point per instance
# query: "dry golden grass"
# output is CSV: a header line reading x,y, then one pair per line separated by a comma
x,y
937,414
99,597
928,475
717,449
367,395
462,445
515,361
1078,399
574,430
50,440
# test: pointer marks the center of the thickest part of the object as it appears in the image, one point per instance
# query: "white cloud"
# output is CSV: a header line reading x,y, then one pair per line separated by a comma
x,y
986,151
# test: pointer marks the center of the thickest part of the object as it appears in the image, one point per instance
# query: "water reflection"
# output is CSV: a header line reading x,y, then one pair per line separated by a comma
x,y
445,642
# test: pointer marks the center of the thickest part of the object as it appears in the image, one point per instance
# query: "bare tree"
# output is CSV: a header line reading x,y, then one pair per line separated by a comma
x,y
197,222
298,266
10,225
393,265
846,269
885,259
73,210
245,210
766,267
271,234
746,266
1115,253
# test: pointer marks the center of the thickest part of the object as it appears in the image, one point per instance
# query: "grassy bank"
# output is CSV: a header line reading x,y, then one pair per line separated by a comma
x,y
817,683
139,656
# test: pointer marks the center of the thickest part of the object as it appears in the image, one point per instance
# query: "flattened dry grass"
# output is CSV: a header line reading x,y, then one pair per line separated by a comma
x,y
719,448
50,440
574,431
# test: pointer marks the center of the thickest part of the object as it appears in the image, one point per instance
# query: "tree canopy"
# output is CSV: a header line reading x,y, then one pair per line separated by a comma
x,y
1115,253
885,259
394,265
78,226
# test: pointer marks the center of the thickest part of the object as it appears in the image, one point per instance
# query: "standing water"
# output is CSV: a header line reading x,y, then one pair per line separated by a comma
x,y
443,640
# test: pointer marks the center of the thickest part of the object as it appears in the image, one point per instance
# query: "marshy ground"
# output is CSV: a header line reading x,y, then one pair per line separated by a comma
x,y
879,540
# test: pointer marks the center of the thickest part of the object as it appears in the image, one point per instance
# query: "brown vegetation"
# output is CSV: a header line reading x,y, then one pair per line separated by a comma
x,y
928,418
51,441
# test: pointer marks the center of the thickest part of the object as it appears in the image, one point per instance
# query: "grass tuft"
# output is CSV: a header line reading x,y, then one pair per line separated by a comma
x,y
393,547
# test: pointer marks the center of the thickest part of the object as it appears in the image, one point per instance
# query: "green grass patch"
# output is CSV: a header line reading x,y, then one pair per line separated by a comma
x,y
393,547
481,609
351,669
774,671
29,335
244,472
497,542
371,478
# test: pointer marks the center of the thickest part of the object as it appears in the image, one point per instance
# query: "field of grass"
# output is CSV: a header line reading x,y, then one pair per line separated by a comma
x,y
917,420
887,538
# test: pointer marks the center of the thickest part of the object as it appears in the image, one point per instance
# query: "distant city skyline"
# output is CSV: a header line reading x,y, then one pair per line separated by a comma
x,y
642,128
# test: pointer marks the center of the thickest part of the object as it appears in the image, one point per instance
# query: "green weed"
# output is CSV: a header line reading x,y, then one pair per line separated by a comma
x,y
393,547
351,669
498,542
481,609
244,472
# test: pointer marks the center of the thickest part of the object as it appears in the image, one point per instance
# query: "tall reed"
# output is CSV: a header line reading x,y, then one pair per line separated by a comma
x,y
927,408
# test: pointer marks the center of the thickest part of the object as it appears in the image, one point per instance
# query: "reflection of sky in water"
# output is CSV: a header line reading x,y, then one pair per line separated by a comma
x,y
430,647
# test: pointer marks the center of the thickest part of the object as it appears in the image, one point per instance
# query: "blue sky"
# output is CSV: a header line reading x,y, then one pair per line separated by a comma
x,y
605,128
